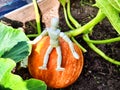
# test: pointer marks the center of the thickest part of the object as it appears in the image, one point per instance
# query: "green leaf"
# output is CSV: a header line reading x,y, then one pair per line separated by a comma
x,y
111,13
18,52
13,43
115,4
9,81
31,83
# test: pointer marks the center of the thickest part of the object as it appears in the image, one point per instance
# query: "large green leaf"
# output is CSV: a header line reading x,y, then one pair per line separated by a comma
x,y
18,52
9,81
115,4
13,43
111,13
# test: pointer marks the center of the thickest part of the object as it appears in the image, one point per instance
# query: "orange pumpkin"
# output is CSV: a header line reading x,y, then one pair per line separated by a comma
x,y
53,78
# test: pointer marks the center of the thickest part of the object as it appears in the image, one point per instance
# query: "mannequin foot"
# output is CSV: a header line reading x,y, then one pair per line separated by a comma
x,y
43,68
60,69
75,55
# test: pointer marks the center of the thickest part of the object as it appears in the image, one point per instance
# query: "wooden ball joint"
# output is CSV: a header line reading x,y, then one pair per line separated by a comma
x,y
58,64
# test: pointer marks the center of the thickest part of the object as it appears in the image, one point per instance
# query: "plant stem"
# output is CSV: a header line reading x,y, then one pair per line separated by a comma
x,y
103,41
99,52
81,47
100,16
66,18
32,35
37,16
75,22
33,25
71,27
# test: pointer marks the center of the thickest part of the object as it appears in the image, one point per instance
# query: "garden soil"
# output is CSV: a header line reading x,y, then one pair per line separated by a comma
x,y
97,73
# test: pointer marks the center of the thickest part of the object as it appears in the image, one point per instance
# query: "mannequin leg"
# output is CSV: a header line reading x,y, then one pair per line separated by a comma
x,y
46,57
66,38
59,59
73,50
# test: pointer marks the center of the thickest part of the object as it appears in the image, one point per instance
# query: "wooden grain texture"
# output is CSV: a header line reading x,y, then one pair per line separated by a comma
x,y
49,9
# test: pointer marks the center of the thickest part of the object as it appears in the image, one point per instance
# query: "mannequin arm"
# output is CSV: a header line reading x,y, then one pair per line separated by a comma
x,y
66,38
39,37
